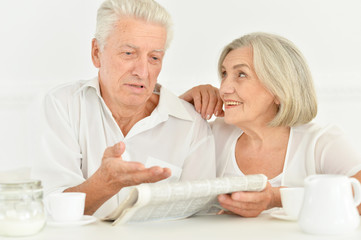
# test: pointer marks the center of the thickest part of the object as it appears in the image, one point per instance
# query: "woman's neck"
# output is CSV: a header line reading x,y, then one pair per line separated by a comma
x,y
260,137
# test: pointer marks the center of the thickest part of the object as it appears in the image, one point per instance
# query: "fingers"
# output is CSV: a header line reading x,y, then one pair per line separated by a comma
x,y
148,175
240,208
218,110
247,204
114,151
212,102
242,212
225,212
119,149
129,167
187,96
197,101
206,100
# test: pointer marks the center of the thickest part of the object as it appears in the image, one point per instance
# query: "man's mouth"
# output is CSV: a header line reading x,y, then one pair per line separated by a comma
x,y
136,86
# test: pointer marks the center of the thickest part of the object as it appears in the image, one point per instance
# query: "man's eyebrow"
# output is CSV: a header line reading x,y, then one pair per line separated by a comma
x,y
130,46
158,50
135,47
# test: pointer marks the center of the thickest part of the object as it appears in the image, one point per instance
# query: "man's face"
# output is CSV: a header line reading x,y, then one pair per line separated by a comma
x,y
130,62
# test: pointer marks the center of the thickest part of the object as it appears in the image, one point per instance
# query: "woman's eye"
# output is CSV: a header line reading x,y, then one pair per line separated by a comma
x,y
224,74
128,53
241,75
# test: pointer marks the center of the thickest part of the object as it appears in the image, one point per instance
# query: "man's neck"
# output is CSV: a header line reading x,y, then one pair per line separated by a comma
x,y
127,116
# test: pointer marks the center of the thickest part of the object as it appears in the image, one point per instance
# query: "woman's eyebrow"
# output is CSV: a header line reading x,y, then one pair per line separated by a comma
x,y
240,66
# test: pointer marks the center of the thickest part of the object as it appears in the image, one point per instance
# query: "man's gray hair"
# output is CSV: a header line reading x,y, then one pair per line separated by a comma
x,y
111,11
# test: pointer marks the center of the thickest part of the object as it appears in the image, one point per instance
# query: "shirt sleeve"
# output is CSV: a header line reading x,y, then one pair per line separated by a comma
x,y
54,150
335,154
200,162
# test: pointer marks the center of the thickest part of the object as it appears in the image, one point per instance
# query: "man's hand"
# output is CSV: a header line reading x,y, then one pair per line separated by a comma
x,y
206,100
114,174
251,204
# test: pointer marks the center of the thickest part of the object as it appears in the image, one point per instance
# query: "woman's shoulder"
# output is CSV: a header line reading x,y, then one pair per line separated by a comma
x,y
315,134
317,130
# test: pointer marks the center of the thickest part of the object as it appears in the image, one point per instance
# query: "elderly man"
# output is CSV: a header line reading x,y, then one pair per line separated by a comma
x,y
122,128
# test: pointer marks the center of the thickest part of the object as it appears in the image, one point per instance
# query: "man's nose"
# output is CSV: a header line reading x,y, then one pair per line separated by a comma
x,y
141,68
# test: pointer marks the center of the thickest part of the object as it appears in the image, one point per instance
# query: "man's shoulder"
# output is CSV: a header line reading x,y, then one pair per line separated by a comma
x,y
68,89
179,108
191,110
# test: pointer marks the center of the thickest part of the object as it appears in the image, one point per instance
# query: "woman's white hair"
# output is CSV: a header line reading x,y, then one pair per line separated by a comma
x,y
283,70
110,11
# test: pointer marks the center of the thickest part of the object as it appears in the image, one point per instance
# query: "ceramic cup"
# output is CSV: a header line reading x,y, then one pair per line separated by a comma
x,y
66,206
292,198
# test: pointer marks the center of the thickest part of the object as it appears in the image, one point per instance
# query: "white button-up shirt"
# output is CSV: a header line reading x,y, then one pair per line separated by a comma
x,y
75,126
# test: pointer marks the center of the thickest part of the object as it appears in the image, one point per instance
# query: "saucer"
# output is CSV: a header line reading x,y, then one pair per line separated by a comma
x,y
280,214
86,219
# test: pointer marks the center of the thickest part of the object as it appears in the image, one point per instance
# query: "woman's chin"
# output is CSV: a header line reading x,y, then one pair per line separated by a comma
x,y
230,120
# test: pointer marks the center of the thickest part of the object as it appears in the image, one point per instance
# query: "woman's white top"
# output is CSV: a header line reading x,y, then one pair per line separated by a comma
x,y
311,149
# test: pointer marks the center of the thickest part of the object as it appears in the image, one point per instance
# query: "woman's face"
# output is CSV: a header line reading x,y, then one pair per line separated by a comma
x,y
247,102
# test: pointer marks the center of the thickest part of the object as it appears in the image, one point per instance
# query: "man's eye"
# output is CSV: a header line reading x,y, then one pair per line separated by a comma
x,y
155,59
224,74
128,54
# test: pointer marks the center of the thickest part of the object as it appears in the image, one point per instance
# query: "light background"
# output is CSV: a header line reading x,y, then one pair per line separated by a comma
x,y
45,43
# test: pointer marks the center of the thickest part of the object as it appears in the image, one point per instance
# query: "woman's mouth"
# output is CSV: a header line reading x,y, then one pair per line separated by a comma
x,y
232,103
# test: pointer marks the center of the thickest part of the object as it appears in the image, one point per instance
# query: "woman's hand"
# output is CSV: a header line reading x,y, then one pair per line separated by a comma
x,y
206,100
251,204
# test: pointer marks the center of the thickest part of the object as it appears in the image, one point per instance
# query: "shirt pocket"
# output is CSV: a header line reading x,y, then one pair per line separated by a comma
x,y
176,171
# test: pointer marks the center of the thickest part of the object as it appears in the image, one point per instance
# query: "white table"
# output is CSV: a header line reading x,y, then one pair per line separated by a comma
x,y
199,227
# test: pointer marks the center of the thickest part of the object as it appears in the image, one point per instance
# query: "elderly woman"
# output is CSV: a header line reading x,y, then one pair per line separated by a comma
x,y
269,102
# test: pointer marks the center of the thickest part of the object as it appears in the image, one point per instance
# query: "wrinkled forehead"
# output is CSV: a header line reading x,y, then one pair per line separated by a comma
x,y
138,32
239,56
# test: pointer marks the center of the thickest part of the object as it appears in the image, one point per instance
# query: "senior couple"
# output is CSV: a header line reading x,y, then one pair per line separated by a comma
x,y
121,128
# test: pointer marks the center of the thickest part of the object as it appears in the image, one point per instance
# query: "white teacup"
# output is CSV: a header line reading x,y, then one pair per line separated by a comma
x,y
66,206
292,198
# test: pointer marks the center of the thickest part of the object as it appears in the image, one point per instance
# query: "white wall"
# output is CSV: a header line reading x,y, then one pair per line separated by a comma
x,y
44,43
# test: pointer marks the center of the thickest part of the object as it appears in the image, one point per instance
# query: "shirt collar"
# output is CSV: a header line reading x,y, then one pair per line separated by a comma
x,y
169,104
92,83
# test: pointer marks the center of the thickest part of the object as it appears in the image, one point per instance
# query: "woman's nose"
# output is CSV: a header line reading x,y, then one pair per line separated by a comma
x,y
226,87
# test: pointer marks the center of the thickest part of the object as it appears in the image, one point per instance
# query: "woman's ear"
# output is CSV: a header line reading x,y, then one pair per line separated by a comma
x,y
95,53
277,101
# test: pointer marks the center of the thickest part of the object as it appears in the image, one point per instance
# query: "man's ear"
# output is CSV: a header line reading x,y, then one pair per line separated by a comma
x,y
95,53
